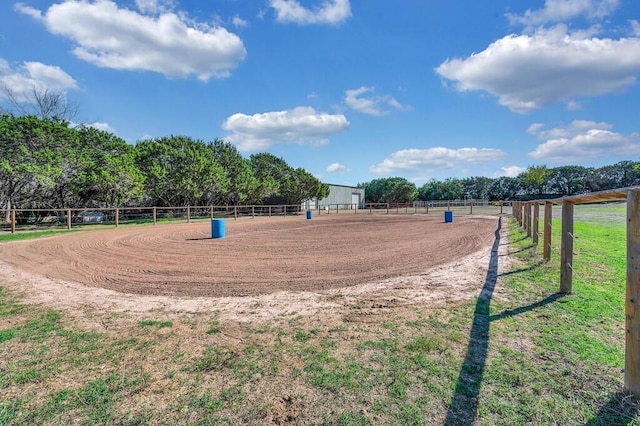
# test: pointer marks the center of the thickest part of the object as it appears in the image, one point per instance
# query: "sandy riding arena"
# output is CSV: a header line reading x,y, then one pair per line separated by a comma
x,y
180,264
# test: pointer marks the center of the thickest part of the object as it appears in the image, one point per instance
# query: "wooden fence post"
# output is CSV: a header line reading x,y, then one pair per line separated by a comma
x,y
632,299
188,214
527,218
566,248
536,222
211,212
235,212
253,212
117,216
13,221
546,250
68,219
501,207
155,216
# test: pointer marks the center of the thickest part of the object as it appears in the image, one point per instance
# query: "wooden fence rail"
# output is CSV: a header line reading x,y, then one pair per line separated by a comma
x,y
522,213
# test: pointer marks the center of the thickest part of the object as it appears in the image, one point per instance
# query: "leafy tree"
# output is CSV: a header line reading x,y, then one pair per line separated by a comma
x,y
504,188
449,189
180,171
280,183
619,175
243,184
477,187
569,180
100,172
535,179
31,159
391,190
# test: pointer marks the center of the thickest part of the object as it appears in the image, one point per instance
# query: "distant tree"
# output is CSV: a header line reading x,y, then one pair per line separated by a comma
x,y
180,171
100,171
32,153
619,175
535,179
568,180
243,184
504,188
477,187
281,183
391,190
40,102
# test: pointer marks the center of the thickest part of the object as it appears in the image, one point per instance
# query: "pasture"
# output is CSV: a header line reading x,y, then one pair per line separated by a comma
x,y
344,320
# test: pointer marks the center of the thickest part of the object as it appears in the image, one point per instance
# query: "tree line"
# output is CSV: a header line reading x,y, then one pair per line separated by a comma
x,y
46,163
534,183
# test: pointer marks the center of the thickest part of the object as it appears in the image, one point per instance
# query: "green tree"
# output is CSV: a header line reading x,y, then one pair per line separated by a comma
x,y
569,180
32,151
280,183
535,180
504,188
100,172
180,171
243,184
390,190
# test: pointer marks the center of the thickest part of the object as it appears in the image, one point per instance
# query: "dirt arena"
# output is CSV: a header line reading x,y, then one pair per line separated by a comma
x,y
257,257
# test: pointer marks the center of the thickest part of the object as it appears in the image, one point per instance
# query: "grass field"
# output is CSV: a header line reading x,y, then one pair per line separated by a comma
x,y
520,354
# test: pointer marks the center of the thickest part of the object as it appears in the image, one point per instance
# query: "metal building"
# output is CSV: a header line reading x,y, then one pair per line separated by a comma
x,y
340,196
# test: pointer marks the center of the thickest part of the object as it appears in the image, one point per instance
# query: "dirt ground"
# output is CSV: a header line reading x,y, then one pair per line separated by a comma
x,y
263,268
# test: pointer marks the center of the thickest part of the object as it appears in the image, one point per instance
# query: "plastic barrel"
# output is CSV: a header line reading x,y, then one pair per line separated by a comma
x,y
218,228
448,216
309,214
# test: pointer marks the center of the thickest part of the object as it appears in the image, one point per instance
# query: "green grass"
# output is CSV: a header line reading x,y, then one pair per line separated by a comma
x,y
525,355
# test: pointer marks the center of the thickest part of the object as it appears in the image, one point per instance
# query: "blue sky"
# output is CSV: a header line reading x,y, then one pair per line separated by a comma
x,y
350,90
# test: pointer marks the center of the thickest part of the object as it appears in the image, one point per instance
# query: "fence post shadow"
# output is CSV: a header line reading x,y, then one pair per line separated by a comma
x,y
464,403
621,409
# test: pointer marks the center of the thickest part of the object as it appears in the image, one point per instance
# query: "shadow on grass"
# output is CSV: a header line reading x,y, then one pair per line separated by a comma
x,y
519,250
464,403
528,268
621,409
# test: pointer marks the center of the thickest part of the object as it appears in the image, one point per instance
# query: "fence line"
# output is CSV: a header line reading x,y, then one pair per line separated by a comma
x,y
522,213
69,217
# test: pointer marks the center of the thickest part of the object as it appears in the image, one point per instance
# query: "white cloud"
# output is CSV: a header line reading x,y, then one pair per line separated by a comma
x,y
337,168
510,171
300,125
635,27
438,158
329,12
105,127
238,22
371,104
573,129
112,37
155,6
23,80
527,72
563,10
582,140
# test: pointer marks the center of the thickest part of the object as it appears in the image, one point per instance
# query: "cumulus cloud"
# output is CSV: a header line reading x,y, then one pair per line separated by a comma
x,y
28,77
299,125
155,6
438,158
363,100
510,171
329,12
337,168
527,72
109,36
583,140
563,10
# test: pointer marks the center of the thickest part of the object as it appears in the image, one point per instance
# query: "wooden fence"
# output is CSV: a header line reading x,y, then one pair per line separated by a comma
x,y
529,220
26,219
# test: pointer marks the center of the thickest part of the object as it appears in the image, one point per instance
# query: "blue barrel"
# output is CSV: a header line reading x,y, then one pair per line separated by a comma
x,y
218,228
309,214
448,216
